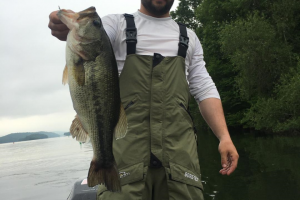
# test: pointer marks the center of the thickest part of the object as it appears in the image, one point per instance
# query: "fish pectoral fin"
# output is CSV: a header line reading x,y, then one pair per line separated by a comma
x,y
122,126
77,131
65,76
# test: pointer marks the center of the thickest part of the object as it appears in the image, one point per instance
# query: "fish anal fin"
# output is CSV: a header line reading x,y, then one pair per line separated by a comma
x,y
122,126
65,76
78,132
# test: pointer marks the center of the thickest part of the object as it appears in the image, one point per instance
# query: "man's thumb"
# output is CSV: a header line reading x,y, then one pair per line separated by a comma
x,y
224,160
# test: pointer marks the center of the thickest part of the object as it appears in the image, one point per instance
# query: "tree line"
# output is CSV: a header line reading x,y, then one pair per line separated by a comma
x,y
251,49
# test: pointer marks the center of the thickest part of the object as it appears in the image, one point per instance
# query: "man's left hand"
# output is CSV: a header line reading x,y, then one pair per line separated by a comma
x,y
229,156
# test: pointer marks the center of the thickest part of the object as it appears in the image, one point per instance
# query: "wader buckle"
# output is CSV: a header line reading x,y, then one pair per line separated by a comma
x,y
131,35
184,41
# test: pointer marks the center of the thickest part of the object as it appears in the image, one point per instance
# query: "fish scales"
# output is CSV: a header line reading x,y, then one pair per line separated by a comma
x,y
98,111
92,75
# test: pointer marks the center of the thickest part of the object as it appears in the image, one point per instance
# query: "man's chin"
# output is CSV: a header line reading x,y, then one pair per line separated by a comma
x,y
158,7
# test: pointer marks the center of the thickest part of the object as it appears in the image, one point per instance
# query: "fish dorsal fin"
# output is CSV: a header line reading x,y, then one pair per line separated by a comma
x,y
121,127
77,131
65,76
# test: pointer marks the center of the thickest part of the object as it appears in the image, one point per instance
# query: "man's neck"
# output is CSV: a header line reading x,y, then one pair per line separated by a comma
x,y
146,12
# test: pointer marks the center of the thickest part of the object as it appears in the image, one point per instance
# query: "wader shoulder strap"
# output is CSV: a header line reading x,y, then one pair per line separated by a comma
x,y
130,34
183,40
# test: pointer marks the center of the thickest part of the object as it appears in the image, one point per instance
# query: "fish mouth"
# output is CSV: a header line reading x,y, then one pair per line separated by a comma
x,y
88,10
70,18
87,13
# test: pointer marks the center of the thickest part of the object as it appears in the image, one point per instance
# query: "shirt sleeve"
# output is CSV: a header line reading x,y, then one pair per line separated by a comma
x,y
200,83
110,24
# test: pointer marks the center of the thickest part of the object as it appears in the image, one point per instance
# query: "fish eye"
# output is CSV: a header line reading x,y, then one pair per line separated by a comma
x,y
97,23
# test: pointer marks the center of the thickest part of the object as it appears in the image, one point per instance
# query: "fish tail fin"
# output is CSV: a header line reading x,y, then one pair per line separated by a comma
x,y
107,176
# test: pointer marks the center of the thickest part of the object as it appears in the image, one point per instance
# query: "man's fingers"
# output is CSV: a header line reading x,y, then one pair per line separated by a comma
x,y
229,157
233,165
224,171
225,168
58,27
224,159
54,18
233,161
61,35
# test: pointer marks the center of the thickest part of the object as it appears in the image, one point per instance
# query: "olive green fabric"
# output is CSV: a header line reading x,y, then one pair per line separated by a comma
x,y
154,185
155,101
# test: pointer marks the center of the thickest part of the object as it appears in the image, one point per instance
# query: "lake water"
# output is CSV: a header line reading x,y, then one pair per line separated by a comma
x,y
42,169
269,168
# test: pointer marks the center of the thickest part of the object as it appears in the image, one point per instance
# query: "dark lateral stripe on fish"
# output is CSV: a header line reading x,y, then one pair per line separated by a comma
x,y
106,156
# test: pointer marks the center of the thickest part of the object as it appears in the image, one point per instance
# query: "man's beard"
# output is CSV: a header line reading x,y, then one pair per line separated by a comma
x,y
157,11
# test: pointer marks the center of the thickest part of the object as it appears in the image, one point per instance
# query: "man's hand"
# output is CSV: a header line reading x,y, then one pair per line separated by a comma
x,y
229,157
58,29
212,111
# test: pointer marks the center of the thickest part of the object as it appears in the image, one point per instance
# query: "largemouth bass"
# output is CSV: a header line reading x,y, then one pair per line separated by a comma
x,y
92,74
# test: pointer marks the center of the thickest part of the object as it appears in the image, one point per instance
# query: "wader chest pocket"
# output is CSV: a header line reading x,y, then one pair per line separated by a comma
x,y
184,111
129,102
127,175
183,175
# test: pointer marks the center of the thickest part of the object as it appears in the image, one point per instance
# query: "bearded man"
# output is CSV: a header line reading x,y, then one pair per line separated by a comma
x,y
160,64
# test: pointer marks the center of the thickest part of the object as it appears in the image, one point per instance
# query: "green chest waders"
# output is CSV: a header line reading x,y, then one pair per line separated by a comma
x,y
157,159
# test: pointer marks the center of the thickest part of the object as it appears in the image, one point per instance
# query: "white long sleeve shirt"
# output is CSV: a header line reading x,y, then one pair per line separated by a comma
x,y
161,35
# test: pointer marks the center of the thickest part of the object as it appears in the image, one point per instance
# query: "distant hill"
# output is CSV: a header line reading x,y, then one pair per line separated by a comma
x,y
67,134
35,136
15,137
61,133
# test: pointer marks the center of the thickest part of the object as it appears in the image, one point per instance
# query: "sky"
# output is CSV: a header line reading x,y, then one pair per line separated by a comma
x,y
32,97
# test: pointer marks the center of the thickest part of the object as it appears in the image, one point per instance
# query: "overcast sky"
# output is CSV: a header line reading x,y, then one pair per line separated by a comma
x,y
32,97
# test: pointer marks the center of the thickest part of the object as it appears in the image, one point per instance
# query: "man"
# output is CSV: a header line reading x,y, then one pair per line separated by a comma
x,y
158,157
